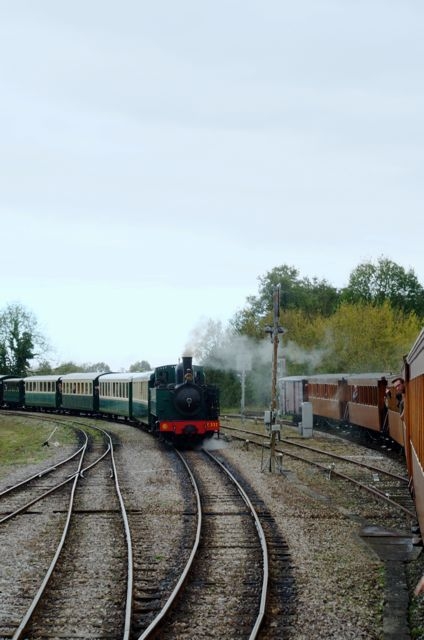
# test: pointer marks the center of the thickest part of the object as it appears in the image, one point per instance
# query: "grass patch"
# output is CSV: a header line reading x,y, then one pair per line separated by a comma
x,y
21,440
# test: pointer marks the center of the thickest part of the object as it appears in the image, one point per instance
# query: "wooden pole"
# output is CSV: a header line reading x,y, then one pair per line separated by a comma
x,y
275,340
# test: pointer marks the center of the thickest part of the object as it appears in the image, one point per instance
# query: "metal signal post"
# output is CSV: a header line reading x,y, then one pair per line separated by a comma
x,y
274,332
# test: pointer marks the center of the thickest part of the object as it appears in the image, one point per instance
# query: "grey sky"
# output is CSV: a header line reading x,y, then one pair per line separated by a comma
x,y
157,158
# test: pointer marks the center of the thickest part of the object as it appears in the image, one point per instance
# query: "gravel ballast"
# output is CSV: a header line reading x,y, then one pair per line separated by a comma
x,y
339,579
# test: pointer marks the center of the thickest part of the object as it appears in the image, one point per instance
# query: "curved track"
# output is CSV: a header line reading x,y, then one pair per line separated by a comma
x,y
76,542
227,575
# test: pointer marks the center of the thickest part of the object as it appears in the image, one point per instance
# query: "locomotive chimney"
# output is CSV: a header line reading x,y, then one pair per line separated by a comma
x,y
187,363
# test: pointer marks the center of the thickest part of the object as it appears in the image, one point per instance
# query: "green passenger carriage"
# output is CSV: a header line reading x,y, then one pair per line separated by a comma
x,y
80,392
2,379
13,392
43,392
125,394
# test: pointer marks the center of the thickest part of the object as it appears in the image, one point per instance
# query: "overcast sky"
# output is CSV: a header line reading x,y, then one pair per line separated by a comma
x,y
158,157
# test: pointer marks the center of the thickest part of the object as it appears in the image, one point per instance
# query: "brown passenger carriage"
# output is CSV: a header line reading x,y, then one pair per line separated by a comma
x,y
414,423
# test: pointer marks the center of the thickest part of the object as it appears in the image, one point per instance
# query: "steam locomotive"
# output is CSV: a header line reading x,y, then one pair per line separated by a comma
x,y
172,401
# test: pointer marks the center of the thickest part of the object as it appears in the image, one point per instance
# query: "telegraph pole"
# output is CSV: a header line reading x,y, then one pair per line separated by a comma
x,y
274,331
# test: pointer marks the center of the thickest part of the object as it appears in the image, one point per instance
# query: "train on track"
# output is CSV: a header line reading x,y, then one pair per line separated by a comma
x,y
172,401
371,402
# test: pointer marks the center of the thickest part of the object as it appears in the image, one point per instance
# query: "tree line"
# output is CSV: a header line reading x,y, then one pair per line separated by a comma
x,y
369,325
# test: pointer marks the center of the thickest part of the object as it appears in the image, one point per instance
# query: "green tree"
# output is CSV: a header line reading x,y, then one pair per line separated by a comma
x,y
311,296
20,340
229,386
140,365
385,281
44,368
98,367
364,337
68,367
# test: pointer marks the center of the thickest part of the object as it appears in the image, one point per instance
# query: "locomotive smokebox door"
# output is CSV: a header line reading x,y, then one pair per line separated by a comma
x,y
187,399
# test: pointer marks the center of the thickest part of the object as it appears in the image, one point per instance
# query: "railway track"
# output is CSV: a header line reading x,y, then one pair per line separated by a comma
x,y
361,468
81,564
225,582
189,579
78,534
